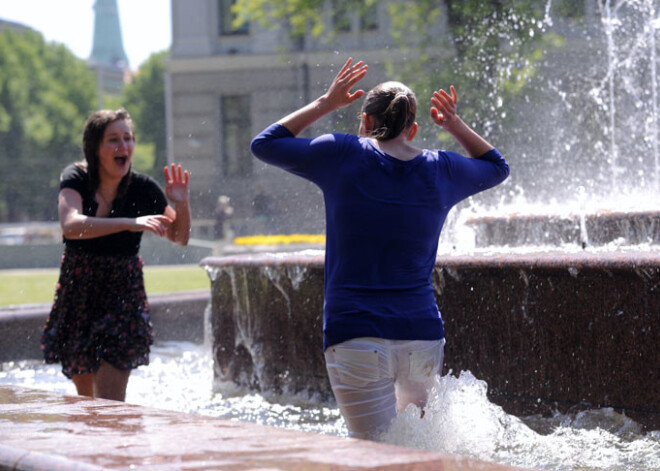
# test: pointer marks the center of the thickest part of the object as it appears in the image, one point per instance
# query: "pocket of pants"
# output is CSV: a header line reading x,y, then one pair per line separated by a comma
x,y
356,367
425,364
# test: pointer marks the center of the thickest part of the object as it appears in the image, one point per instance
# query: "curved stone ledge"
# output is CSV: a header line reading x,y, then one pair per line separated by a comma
x,y
550,258
591,229
546,331
47,431
267,259
556,259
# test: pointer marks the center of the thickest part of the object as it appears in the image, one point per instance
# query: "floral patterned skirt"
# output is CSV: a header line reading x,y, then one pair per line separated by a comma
x,y
100,313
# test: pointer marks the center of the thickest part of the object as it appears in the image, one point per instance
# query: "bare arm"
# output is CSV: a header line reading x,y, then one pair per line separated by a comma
x,y
443,113
76,225
177,190
338,95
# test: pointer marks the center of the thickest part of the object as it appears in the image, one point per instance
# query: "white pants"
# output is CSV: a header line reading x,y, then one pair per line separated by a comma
x,y
373,379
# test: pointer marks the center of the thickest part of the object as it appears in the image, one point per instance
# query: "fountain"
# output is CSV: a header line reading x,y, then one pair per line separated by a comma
x,y
557,308
553,309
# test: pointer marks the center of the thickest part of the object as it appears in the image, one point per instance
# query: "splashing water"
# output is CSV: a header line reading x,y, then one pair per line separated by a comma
x,y
459,418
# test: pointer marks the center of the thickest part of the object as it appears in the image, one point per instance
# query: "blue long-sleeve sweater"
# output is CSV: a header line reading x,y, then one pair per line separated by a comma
x,y
383,222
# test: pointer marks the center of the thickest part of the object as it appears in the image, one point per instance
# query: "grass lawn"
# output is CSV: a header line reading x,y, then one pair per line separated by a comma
x,y
38,286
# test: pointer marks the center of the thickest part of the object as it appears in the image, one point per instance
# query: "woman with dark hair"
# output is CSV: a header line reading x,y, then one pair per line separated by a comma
x,y
98,327
385,201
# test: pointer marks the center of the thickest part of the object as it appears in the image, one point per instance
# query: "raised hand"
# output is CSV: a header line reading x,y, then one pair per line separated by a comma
x,y
177,189
339,93
443,111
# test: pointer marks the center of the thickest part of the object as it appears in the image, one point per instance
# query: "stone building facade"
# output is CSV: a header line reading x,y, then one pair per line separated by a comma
x,y
224,85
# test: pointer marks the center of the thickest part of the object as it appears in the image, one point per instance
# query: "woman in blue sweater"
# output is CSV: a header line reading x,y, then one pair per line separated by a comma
x,y
386,201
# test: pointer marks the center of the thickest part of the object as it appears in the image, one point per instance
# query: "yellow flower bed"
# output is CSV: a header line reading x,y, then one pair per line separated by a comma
x,y
280,239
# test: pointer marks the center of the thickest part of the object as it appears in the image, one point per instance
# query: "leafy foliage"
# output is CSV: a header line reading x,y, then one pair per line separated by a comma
x,y
489,48
46,93
297,15
144,98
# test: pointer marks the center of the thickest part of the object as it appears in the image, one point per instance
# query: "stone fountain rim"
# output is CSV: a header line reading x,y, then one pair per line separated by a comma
x,y
604,214
621,259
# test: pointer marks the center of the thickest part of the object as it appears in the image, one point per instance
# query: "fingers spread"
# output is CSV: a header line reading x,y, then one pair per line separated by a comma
x,y
176,174
357,76
351,74
345,66
443,102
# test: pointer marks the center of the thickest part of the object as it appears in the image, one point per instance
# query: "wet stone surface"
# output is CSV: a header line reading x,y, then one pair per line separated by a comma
x,y
42,430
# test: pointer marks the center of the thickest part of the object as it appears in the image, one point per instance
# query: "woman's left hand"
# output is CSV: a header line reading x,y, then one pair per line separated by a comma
x,y
177,189
338,95
443,111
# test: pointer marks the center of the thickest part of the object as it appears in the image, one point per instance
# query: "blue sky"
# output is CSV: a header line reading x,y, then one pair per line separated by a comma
x,y
146,24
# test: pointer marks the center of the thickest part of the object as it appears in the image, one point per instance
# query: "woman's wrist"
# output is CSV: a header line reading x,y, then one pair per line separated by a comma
x,y
470,140
456,127
183,204
324,105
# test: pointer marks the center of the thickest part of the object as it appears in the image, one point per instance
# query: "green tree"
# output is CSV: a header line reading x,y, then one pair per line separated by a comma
x,y
46,94
497,46
490,53
144,98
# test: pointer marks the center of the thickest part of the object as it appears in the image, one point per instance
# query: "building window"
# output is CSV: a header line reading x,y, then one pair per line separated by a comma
x,y
236,136
226,19
369,18
341,21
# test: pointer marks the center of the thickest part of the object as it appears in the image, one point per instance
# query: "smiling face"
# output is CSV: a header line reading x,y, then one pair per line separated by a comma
x,y
115,151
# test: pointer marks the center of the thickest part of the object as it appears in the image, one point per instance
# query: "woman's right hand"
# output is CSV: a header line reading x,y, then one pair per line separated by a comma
x,y
156,223
339,93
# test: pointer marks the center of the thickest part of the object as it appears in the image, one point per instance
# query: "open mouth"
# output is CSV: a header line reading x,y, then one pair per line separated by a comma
x,y
121,160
